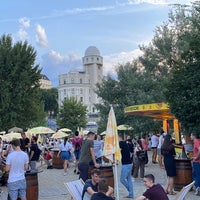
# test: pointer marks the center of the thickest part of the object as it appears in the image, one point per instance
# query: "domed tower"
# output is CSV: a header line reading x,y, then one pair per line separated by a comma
x,y
93,65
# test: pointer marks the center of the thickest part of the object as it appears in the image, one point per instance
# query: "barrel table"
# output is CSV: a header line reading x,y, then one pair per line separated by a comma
x,y
31,185
57,162
183,173
106,173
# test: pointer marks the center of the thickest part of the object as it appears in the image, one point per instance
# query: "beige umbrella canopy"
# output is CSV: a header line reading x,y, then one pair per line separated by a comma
x,y
103,133
59,134
40,130
65,130
124,127
15,130
11,136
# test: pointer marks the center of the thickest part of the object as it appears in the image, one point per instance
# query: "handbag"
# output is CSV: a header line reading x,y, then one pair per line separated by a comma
x,y
141,155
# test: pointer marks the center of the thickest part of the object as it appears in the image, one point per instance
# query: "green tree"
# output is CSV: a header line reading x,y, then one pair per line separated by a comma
x,y
72,114
19,85
49,98
183,88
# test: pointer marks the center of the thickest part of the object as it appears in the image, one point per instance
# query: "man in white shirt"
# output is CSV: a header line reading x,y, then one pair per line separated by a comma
x,y
154,145
16,164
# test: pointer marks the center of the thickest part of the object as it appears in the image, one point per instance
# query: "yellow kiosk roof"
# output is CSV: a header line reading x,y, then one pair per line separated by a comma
x,y
154,110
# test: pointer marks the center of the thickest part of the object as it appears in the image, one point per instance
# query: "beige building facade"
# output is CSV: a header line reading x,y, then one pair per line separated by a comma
x,y
45,83
82,84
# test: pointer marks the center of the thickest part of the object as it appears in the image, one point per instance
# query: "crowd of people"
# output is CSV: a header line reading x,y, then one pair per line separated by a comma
x,y
22,154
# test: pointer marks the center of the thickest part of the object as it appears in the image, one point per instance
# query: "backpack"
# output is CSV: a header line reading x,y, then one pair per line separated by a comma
x,y
77,145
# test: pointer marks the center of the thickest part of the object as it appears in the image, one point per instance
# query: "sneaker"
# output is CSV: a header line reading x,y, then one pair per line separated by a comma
x,y
65,174
197,191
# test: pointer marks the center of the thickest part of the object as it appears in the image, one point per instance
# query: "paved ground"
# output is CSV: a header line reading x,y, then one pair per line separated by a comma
x,y
51,185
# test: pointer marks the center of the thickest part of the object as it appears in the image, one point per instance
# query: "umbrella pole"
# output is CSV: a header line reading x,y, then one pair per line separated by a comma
x,y
116,182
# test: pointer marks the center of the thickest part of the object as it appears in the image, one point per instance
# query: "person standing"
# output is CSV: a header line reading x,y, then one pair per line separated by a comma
x,y
34,153
154,145
126,177
145,145
160,142
24,143
77,143
98,148
16,164
87,154
195,136
65,149
169,153
138,160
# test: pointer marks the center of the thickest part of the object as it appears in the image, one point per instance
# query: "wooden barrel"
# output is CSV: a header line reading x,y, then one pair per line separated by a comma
x,y
57,162
31,186
183,173
106,173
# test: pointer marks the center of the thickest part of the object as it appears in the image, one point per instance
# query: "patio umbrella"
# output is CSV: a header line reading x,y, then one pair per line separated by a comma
x,y
124,127
103,133
40,130
111,145
10,136
59,134
65,130
15,130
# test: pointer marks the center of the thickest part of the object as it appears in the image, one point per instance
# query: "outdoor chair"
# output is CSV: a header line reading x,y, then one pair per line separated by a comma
x,y
182,194
75,189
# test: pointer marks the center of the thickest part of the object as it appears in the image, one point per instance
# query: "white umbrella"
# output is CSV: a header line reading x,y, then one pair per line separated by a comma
x,y
40,130
11,136
59,134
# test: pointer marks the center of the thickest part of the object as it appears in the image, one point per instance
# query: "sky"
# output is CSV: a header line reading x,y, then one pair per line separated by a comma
x,y
61,31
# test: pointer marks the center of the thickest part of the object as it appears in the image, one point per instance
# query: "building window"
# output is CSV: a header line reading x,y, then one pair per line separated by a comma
x,y
81,81
64,91
81,90
92,59
93,109
81,99
64,81
87,59
97,59
73,91
72,80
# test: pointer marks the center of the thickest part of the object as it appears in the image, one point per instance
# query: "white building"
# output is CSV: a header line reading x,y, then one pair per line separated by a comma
x,y
45,83
81,84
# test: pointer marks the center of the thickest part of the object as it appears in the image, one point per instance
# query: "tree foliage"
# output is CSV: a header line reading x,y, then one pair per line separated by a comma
x,y
49,98
72,114
183,88
19,85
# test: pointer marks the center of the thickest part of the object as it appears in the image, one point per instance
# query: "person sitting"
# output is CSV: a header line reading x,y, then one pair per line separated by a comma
x,y
154,191
102,190
91,185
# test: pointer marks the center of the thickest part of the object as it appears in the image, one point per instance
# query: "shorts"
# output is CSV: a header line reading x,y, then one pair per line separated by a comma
x,y
17,189
77,154
159,152
65,155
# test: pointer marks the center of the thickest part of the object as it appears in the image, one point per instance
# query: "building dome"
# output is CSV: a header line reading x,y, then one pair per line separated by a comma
x,y
92,51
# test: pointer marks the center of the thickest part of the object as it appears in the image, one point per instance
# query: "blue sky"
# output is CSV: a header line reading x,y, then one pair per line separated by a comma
x,y
60,31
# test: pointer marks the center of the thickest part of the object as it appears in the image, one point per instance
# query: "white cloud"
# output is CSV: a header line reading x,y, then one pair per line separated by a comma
x,y
24,22
159,2
22,34
54,64
112,61
41,38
